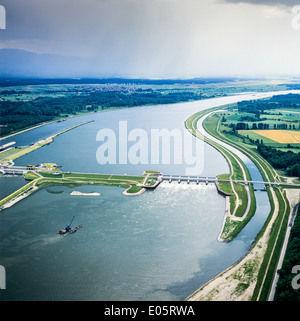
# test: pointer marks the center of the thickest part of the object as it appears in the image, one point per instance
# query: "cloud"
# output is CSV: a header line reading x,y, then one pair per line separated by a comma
x,y
285,3
155,38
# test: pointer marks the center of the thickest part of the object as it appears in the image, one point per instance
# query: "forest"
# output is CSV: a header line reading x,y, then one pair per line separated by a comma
x,y
285,291
46,81
17,115
259,106
287,161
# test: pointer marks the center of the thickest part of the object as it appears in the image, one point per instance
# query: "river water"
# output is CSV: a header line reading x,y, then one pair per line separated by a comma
x,y
161,245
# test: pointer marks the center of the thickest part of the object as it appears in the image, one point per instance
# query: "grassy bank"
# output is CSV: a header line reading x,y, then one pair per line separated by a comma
x,y
251,277
268,267
21,191
278,226
280,216
133,185
242,200
14,153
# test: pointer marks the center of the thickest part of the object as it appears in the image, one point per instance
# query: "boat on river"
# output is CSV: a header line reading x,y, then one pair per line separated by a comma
x,y
69,229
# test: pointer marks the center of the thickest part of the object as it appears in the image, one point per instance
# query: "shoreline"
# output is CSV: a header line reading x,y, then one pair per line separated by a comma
x,y
247,279
30,190
237,169
224,280
225,285
134,194
227,214
39,144
93,112
39,181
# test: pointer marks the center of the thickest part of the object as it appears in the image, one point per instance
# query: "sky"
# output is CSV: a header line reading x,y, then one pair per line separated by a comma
x,y
161,38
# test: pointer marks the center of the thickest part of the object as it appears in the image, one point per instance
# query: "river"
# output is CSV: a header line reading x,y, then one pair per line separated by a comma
x,y
161,245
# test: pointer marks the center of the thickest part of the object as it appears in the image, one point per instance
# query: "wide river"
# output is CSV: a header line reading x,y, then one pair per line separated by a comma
x,y
161,245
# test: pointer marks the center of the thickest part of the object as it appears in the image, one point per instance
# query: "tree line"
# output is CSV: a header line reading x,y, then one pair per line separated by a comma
x,y
260,126
259,106
286,161
17,115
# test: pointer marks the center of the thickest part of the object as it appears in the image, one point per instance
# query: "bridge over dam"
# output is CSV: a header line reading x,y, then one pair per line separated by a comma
x,y
13,170
258,185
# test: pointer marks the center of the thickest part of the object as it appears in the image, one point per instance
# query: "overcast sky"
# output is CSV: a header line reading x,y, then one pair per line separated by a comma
x,y
161,38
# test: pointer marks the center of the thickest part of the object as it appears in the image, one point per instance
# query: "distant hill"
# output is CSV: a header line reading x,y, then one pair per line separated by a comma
x,y
21,63
32,68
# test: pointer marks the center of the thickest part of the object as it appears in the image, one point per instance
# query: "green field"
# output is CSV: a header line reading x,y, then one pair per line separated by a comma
x,y
273,119
250,134
249,268
277,231
270,117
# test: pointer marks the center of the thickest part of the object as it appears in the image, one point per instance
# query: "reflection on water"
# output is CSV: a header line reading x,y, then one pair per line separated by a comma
x,y
161,245
131,248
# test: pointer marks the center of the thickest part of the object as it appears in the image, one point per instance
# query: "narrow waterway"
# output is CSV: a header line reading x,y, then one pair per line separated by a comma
x,y
254,172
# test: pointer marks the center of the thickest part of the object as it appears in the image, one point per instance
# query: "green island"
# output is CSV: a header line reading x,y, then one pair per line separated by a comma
x,y
134,185
251,277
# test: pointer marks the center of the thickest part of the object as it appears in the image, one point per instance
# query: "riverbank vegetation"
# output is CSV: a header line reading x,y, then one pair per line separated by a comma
x,y
242,200
271,127
17,115
49,174
278,218
38,180
7,156
256,272
257,269
133,185
23,106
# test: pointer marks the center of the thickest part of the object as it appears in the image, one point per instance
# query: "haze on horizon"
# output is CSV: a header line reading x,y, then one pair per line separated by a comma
x,y
160,38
